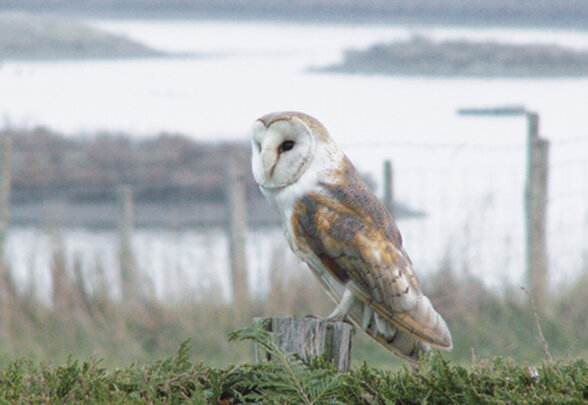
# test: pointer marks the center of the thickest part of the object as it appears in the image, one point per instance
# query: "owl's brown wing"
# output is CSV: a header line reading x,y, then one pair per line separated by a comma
x,y
367,257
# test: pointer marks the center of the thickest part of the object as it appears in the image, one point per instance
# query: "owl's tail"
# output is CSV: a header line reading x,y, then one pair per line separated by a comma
x,y
407,334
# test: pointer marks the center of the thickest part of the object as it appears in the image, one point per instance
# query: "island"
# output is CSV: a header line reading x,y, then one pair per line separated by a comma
x,y
421,56
25,36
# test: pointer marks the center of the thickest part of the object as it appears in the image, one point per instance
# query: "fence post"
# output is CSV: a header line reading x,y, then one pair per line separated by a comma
x,y
128,266
389,187
536,214
236,200
5,184
310,338
6,291
61,281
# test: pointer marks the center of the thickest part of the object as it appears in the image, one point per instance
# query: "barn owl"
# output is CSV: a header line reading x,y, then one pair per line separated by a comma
x,y
334,223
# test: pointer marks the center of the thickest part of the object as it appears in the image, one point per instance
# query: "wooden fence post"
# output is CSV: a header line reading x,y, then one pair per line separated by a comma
x,y
389,187
236,200
130,287
5,185
535,202
536,214
60,279
310,338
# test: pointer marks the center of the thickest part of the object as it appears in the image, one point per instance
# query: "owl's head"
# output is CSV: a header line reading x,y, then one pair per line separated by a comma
x,y
286,145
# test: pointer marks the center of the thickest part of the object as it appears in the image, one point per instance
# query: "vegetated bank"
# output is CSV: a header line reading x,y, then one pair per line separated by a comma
x,y
420,56
26,36
177,182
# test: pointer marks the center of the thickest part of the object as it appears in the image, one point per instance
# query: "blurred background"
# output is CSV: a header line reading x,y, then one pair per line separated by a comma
x,y
129,219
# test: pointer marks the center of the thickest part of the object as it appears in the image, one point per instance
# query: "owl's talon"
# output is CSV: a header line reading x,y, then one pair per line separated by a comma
x,y
345,305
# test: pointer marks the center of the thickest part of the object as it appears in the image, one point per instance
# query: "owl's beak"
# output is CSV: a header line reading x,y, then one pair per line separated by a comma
x,y
269,159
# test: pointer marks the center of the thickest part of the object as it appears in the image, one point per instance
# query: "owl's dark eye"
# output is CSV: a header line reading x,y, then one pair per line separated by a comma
x,y
286,146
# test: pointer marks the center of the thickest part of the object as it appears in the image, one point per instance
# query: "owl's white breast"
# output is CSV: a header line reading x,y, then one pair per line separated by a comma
x,y
283,200
321,171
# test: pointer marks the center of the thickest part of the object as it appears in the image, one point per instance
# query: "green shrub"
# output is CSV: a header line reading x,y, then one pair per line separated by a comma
x,y
289,380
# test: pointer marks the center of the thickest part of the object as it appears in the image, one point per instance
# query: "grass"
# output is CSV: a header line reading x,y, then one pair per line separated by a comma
x,y
503,352
83,323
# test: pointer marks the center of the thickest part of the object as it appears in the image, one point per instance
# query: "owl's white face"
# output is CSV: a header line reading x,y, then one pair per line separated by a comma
x,y
282,151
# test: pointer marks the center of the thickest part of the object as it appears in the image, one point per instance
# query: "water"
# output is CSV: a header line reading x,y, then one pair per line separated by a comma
x,y
466,173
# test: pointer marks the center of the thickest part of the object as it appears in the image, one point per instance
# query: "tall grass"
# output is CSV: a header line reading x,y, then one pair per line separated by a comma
x,y
83,321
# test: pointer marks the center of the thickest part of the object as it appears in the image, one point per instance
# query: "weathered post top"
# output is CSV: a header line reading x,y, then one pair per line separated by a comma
x,y
310,338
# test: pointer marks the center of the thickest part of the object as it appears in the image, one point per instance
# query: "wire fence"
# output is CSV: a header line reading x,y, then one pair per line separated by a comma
x,y
472,195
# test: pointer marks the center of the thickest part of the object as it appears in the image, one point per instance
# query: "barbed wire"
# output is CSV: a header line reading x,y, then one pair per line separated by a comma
x,y
459,145
568,141
431,146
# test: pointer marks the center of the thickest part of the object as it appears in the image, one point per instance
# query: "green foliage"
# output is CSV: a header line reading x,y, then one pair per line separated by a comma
x,y
288,380
436,381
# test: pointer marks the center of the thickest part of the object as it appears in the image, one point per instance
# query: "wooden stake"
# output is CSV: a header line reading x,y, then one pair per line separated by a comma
x,y
128,267
310,338
5,185
6,292
536,215
237,233
389,187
